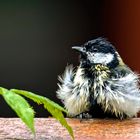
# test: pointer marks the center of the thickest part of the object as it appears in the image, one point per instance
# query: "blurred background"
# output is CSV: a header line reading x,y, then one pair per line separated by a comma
x,y
36,38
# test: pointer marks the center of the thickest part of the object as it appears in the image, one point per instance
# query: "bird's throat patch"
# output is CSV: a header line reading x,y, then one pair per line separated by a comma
x,y
100,70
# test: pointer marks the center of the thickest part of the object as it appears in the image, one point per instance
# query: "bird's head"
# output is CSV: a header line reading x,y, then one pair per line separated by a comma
x,y
98,51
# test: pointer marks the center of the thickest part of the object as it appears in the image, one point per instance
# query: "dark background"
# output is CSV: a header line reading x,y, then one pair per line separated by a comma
x,y
36,38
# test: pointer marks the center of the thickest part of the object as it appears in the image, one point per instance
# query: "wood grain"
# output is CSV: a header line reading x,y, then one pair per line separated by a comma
x,y
50,129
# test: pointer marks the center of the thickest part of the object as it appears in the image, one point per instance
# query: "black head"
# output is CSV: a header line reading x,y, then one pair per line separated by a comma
x,y
98,51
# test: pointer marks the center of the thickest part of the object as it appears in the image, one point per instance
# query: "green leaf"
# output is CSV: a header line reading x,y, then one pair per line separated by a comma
x,y
20,106
59,116
52,107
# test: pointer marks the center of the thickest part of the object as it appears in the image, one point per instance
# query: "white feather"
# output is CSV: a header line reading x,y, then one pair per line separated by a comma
x,y
100,58
74,92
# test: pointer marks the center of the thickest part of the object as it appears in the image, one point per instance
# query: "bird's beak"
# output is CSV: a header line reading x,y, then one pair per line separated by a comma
x,y
80,49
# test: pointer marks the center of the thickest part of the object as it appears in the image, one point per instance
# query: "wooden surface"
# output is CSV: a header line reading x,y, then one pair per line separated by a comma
x,y
50,129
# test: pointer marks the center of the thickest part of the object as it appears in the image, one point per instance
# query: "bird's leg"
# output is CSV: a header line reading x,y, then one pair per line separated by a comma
x,y
84,115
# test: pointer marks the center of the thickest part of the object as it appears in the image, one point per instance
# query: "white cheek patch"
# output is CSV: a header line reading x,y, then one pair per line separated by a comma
x,y
101,58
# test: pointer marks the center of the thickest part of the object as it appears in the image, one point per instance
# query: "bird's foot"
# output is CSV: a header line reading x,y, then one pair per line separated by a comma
x,y
84,115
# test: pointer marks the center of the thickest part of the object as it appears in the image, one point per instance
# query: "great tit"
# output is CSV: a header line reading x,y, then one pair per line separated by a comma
x,y
101,86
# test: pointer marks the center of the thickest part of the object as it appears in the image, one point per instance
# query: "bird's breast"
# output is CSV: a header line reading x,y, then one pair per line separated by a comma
x,y
98,77
84,87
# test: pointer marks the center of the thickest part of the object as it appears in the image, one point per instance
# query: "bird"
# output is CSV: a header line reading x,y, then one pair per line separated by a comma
x,y
102,86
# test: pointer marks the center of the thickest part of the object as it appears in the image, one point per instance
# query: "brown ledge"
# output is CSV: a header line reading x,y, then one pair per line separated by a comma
x,y
50,129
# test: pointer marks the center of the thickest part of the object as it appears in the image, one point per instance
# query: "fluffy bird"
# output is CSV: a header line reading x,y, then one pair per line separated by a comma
x,y
101,86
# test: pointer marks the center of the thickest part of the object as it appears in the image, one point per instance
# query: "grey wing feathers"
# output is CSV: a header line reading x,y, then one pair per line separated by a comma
x,y
126,93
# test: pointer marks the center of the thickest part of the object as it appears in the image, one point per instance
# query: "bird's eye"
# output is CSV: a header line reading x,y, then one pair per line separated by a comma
x,y
84,49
